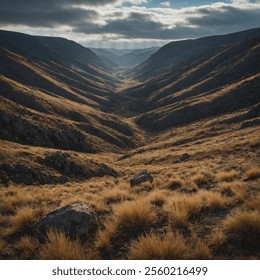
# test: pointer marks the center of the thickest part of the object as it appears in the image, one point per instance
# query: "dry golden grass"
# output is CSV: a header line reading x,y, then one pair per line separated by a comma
x,y
22,221
116,196
183,199
130,219
212,199
3,220
6,206
227,175
174,183
201,251
253,173
237,190
3,246
253,203
243,228
217,238
189,187
157,198
28,243
60,247
103,237
154,247
134,214
180,208
204,177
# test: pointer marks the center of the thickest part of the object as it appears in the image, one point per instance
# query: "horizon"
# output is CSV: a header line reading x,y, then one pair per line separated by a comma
x,y
119,47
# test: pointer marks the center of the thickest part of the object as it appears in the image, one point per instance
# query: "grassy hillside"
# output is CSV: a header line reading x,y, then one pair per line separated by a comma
x,y
72,129
55,93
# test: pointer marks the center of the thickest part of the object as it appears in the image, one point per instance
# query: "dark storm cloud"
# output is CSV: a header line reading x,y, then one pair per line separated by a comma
x,y
47,13
130,22
199,22
19,5
46,18
136,25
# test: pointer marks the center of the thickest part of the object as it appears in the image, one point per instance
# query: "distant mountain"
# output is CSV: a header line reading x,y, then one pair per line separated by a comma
x,y
55,93
176,52
125,58
196,79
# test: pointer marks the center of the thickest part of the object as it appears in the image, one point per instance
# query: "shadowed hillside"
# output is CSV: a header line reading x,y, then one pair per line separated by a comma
x,y
199,85
175,52
54,93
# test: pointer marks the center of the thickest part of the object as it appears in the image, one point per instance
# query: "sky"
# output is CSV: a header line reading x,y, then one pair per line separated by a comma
x,y
128,23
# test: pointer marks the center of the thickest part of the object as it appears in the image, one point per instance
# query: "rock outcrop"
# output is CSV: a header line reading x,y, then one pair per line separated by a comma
x,y
77,220
18,129
141,177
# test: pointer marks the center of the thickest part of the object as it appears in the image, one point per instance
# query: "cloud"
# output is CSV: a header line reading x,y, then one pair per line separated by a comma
x,y
135,25
170,24
46,13
237,2
166,3
110,19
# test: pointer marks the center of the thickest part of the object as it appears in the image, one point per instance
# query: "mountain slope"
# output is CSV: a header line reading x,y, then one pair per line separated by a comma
x,y
54,93
176,52
221,80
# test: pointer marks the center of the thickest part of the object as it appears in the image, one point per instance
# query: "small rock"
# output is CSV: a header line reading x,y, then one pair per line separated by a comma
x,y
77,220
141,177
185,157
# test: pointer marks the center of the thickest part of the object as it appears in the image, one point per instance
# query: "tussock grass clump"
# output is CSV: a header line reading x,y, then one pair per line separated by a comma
x,y
204,177
28,246
180,209
22,221
237,190
213,199
253,173
242,229
174,184
28,243
134,214
59,247
104,237
130,220
227,175
189,187
253,203
157,182
153,247
157,198
201,251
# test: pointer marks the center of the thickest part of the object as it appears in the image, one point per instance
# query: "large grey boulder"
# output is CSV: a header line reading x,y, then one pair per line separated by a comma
x,y
77,220
141,177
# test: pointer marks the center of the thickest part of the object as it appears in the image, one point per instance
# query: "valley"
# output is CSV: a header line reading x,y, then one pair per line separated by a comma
x,y
75,128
